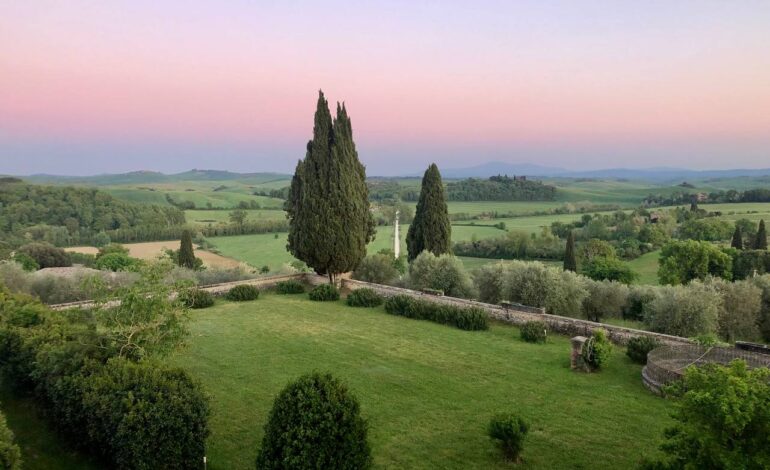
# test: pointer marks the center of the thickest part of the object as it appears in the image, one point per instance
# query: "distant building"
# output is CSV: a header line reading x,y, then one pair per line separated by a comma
x,y
654,217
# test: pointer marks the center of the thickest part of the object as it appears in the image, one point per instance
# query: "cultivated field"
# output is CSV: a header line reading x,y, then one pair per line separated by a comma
x,y
427,390
151,250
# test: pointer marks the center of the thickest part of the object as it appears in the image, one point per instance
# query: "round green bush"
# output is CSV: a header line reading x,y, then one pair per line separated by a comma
x,y
115,262
324,292
509,430
290,287
597,350
534,332
242,293
638,347
197,298
315,422
364,297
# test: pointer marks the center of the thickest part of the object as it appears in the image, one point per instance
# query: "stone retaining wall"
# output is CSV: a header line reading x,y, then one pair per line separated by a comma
x,y
515,315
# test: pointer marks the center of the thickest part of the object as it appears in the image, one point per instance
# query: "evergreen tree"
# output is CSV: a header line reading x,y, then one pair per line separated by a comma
x,y
737,242
760,243
186,256
570,258
328,203
430,230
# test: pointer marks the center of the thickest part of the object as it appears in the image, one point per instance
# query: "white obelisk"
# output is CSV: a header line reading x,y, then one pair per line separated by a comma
x,y
396,238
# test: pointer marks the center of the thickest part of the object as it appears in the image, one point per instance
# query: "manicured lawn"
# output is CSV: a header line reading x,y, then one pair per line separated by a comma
x,y
427,390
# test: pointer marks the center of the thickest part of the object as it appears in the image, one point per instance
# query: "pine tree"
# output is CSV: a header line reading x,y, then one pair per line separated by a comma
x,y
737,242
570,259
186,256
760,243
328,205
430,230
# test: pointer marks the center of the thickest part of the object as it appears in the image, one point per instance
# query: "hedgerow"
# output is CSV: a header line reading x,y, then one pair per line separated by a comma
x,y
290,287
464,318
364,297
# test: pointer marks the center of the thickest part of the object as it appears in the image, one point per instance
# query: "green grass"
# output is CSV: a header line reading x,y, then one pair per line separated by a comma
x,y
427,390
206,217
41,448
647,268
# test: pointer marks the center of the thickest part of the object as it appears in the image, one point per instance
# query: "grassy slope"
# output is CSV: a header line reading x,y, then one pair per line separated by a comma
x,y
427,390
647,267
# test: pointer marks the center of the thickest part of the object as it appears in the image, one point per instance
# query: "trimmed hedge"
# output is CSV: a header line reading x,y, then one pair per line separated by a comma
x,y
324,292
242,293
464,318
290,287
638,347
197,298
509,431
534,332
315,422
364,297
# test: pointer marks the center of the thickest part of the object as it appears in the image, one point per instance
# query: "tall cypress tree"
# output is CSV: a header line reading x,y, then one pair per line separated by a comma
x,y
186,256
760,243
570,258
430,230
328,205
737,242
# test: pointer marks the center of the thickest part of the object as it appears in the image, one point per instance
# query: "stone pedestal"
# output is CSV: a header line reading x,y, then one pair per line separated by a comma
x,y
576,358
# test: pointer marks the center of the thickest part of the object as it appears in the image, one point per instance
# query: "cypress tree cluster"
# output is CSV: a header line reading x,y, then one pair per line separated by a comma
x,y
328,203
570,258
760,243
186,257
737,241
430,230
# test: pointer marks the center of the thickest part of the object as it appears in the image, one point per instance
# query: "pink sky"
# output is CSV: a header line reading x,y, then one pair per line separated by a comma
x,y
612,84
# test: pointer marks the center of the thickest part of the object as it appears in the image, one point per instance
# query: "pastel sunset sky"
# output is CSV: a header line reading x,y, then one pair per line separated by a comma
x,y
110,86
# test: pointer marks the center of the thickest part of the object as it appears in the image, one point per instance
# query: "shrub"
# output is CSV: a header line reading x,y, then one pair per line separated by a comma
x,y
638,347
364,297
111,248
489,282
315,422
378,268
10,454
242,293
324,292
534,332
290,287
84,259
740,309
210,276
509,430
46,255
722,419
602,268
197,298
639,298
464,318
27,262
597,350
115,262
684,310
606,299
444,273
763,282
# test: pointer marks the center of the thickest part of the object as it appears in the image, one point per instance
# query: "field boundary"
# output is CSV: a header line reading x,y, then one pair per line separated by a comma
x,y
515,315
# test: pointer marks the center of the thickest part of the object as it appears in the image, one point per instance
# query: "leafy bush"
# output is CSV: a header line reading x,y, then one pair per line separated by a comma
x,y
739,311
10,454
606,299
638,347
722,419
601,268
84,259
444,273
315,422
290,287
464,318
115,262
210,276
197,298
684,310
378,268
534,332
46,255
683,261
324,292
27,262
509,430
534,284
242,293
639,298
112,248
489,282
763,282
364,297
597,350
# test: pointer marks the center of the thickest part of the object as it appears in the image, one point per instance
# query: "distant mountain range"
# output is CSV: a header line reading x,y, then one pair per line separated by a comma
x,y
658,175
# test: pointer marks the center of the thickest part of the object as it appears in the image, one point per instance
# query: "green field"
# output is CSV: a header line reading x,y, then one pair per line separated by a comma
x,y
427,390
647,267
206,217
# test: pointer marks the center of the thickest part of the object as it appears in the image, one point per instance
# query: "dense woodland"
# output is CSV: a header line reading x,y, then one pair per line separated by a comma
x,y
500,188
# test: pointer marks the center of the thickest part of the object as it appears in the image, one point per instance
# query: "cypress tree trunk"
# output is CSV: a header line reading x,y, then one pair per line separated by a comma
x,y
570,259
737,242
330,222
760,243
186,256
431,229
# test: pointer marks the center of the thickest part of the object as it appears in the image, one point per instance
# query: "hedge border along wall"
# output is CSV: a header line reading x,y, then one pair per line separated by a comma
x,y
514,314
